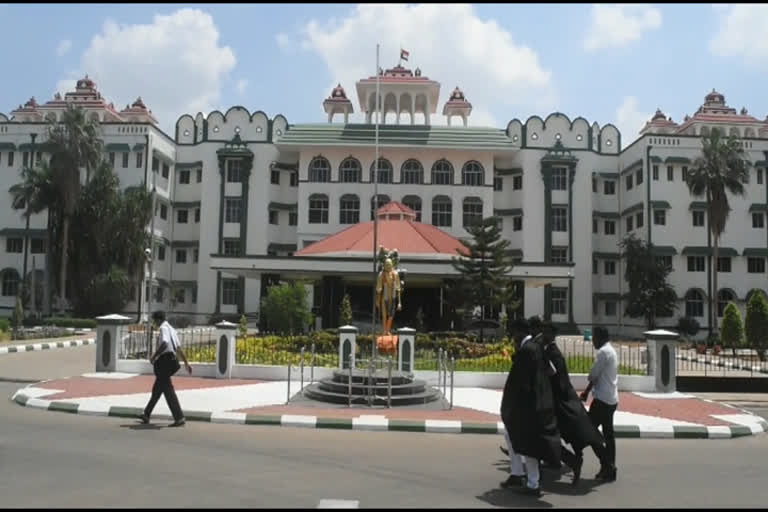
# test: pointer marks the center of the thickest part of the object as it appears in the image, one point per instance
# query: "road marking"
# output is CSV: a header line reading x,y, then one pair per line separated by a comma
x,y
332,503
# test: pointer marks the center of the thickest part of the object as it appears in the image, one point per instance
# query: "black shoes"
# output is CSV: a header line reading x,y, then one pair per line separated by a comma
x,y
577,470
178,423
514,481
606,474
144,419
530,491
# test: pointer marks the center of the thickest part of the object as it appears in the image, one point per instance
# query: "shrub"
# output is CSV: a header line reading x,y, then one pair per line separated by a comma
x,y
285,308
345,311
732,330
756,325
65,322
5,325
180,322
688,326
242,326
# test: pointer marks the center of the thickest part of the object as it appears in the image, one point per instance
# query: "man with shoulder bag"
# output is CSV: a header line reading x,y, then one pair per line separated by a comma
x,y
165,364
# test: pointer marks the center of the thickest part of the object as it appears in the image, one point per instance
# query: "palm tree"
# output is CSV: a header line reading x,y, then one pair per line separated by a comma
x,y
721,168
73,143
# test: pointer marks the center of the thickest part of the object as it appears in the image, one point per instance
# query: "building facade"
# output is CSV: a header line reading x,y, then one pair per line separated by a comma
x,y
238,193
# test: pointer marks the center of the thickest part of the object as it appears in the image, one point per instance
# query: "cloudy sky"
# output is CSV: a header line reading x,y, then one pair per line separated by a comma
x,y
607,63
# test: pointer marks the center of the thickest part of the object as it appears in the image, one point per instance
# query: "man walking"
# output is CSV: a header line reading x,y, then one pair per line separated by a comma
x,y
527,411
165,364
519,333
603,382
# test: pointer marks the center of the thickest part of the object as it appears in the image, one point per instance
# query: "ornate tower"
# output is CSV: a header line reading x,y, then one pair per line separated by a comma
x,y
401,91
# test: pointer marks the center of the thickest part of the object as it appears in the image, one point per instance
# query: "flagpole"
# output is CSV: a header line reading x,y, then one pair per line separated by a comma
x,y
375,201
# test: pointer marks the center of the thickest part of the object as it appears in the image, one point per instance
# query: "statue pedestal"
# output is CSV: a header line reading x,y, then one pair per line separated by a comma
x,y
386,344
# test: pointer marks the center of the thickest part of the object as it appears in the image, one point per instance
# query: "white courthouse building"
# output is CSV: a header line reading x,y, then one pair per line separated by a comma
x,y
242,197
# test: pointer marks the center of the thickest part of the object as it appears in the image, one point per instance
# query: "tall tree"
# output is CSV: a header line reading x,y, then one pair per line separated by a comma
x,y
649,295
721,168
756,324
484,267
73,143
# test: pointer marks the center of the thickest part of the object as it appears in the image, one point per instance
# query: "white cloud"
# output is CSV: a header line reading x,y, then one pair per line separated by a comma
x,y
176,64
614,26
629,120
285,42
63,48
448,42
742,33
241,85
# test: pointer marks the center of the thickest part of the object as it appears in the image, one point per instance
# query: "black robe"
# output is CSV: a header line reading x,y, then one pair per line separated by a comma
x,y
527,407
573,421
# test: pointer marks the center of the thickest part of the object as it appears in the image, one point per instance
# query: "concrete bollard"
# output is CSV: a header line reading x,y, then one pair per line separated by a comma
x,y
226,343
406,341
347,346
109,337
662,358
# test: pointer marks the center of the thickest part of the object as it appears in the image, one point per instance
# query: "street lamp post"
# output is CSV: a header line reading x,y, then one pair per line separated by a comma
x,y
33,136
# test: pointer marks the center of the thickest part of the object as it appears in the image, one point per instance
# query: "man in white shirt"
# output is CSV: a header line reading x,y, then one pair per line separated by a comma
x,y
165,364
603,382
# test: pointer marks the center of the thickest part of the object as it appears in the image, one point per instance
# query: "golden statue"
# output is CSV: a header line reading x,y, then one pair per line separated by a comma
x,y
388,298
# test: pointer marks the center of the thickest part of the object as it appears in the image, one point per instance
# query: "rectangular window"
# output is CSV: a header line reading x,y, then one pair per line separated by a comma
x,y
155,164
639,220
756,265
758,220
655,173
293,218
628,181
274,177
517,183
184,177
38,246
195,255
559,255
610,308
594,185
163,212
112,158
194,295
25,159
181,255
698,217
161,252
230,291
723,264
126,155
199,175
182,216
695,263
294,180
159,294
670,173
498,184
639,177
595,266
559,219
10,158
197,215
609,188
629,220
180,296
442,214
517,223
14,245
609,267
273,216
232,209
139,159
559,301
166,170
685,174
594,226
559,179
233,171
759,176
318,210
231,247
609,227
660,217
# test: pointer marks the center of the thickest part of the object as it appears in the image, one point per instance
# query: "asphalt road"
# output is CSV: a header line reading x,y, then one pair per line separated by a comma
x,y
50,459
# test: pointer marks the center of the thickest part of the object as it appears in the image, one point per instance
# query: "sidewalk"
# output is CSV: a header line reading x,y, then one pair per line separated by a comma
x,y
475,410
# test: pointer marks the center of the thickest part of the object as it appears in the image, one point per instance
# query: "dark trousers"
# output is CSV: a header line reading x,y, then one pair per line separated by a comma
x,y
601,414
164,386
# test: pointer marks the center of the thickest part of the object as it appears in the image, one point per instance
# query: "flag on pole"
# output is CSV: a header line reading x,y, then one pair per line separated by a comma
x,y
404,54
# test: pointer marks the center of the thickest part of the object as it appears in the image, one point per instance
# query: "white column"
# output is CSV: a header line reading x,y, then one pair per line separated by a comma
x,y
225,349
662,358
464,117
347,345
449,119
406,341
397,106
109,334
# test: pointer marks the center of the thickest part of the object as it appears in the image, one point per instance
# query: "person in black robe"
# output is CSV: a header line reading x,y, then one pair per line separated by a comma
x,y
528,412
573,421
518,331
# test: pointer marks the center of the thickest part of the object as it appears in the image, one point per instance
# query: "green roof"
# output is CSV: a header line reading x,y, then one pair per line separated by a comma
x,y
706,251
139,147
756,251
186,204
677,160
606,215
282,247
606,296
607,255
185,243
188,165
656,159
658,205
396,136
632,209
698,205
507,172
118,147
5,146
757,207
515,253
291,207
184,284
508,211
33,233
632,166
663,250
609,175
761,163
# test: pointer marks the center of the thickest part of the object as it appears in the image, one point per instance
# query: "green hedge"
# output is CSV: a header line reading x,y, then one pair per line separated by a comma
x,y
61,321
5,325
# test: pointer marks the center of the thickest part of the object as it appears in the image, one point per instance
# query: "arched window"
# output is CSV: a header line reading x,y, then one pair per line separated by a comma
x,y
385,171
694,303
412,173
376,204
472,174
724,296
442,211
319,170
442,173
350,171
318,209
472,210
414,203
349,209
10,282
